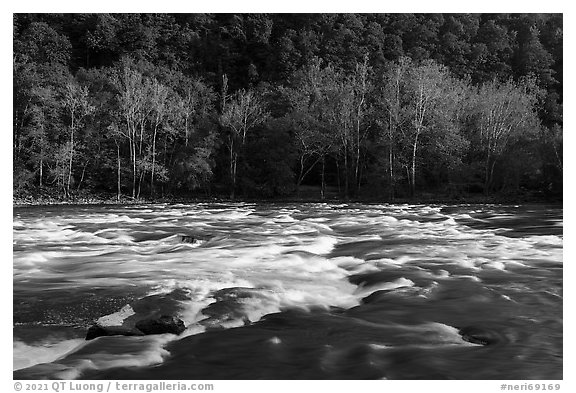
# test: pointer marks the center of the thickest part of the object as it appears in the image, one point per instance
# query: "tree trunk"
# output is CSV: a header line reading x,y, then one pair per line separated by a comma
x,y
134,167
234,166
141,137
303,173
338,176
487,175
82,177
71,157
359,180
15,146
391,157
413,184
492,173
357,163
232,169
346,189
323,184
558,162
186,129
140,184
41,165
391,172
300,176
153,163
118,173
166,151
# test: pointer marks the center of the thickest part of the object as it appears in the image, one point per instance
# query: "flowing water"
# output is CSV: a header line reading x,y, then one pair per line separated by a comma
x,y
308,291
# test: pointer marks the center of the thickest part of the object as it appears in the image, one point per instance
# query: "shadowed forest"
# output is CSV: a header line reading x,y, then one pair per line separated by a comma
x,y
335,106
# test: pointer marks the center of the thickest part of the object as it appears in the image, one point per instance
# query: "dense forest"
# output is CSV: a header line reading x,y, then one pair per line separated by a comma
x,y
378,106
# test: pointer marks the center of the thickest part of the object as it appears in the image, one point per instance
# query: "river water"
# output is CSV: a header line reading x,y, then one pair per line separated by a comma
x,y
307,291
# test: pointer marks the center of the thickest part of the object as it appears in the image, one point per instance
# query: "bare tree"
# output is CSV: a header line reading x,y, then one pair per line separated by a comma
x,y
77,107
307,99
392,97
240,115
504,110
158,101
132,97
117,135
360,87
425,85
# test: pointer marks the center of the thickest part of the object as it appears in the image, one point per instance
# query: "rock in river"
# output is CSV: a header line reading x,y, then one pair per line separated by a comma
x,y
478,335
99,331
164,324
189,239
154,314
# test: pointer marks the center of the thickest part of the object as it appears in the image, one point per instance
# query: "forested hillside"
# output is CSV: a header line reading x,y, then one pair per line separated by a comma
x,y
277,105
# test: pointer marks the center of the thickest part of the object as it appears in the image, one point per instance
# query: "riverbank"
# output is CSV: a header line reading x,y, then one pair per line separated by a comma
x,y
111,199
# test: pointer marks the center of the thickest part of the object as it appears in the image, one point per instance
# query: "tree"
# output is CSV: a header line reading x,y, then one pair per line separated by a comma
x,y
41,44
391,95
504,111
159,106
425,89
492,51
360,85
310,107
133,93
305,99
445,145
194,136
113,131
40,70
240,115
77,107
531,57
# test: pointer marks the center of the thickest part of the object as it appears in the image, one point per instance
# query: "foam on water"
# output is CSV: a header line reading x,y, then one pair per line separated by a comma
x,y
104,353
398,283
250,262
46,351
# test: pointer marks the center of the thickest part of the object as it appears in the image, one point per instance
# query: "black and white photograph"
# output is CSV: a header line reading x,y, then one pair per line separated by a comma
x,y
201,197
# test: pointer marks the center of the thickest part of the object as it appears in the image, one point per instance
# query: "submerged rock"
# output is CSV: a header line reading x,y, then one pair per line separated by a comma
x,y
164,324
98,331
478,335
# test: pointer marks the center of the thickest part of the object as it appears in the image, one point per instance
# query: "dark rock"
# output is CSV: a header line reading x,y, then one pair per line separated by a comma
x,y
98,331
154,306
188,239
478,335
164,324
154,314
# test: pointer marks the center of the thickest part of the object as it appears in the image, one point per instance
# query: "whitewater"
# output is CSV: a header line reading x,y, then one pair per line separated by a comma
x,y
290,291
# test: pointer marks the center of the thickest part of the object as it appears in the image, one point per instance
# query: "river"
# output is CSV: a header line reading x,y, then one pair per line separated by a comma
x,y
291,291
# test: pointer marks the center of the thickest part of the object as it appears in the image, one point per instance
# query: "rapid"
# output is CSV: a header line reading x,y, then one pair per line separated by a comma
x,y
291,291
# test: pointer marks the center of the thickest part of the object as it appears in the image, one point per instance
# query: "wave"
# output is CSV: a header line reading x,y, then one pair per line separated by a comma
x,y
246,262
49,350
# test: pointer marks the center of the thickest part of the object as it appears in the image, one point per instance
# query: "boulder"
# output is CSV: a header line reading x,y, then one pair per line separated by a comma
x,y
154,314
164,324
98,331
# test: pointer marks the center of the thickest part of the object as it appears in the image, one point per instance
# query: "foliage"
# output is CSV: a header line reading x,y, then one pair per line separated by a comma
x,y
375,105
